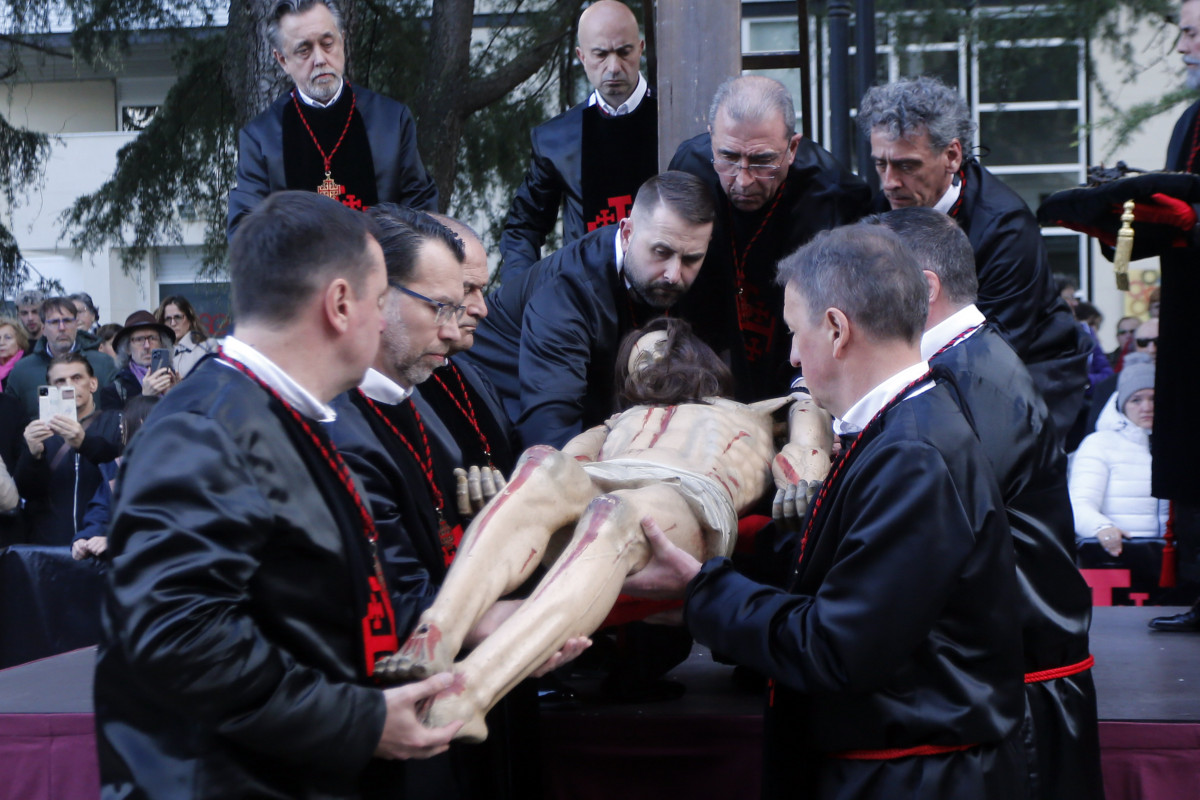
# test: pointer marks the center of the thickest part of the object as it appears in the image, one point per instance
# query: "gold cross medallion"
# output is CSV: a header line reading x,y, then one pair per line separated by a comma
x,y
330,188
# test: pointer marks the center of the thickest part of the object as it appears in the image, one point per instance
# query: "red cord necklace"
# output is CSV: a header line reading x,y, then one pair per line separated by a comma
x,y
468,411
744,311
839,468
328,187
446,537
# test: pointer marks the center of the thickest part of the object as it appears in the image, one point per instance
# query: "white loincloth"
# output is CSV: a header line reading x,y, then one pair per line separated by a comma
x,y
706,497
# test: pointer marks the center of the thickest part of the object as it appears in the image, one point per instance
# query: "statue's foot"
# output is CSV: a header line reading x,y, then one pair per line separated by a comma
x,y
455,704
423,654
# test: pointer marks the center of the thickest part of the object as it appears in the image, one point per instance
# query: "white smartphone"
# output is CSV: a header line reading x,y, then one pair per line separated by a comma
x,y
54,400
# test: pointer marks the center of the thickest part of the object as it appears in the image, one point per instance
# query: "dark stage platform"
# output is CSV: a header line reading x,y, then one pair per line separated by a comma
x,y
704,745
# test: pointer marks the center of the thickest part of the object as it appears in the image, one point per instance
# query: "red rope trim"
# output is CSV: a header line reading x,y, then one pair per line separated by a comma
x,y
901,752
739,259
1060,672
832,477
328,159
469,411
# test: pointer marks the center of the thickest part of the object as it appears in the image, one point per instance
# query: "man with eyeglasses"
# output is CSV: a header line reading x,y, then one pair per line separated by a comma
x,y
920,131
550,339
135,345
59,337
774,190
390,441
1126,328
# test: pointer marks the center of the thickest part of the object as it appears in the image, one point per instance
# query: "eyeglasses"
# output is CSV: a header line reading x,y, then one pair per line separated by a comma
x,y
59,322
1147,342
1129,332
730,169
444,310
171,320
149,338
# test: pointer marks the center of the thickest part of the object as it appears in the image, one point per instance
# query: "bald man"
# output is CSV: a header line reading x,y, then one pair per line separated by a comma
x,y
592,158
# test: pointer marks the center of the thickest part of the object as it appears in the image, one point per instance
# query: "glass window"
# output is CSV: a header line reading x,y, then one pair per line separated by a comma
x,y
1008,74
772,36
940,64
1029,137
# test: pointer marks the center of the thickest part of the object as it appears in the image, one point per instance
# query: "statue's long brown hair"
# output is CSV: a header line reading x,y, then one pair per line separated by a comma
x,y
688,372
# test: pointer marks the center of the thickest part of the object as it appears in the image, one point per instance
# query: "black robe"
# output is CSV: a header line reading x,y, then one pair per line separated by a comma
x,y
549,341
1061,732
819,194
231,660
400,177
554,179
897,631
1176,439
1017,292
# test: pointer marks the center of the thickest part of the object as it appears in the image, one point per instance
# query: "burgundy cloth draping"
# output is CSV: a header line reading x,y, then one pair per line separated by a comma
x,y
1149,760
48,757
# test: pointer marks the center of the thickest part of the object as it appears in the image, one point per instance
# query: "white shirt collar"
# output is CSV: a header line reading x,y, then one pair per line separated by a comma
x,y
944,332
273,375
950,197
382,389
317,103
629,106
862,412
620,257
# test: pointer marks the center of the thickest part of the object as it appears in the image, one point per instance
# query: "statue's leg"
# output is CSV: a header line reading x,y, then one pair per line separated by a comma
x,y
572,600
499,551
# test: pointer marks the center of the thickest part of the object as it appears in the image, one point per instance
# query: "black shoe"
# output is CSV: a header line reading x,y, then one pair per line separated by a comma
x,y
1187,622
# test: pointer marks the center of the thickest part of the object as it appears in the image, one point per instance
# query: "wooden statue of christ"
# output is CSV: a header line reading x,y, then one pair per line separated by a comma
x,y
695,465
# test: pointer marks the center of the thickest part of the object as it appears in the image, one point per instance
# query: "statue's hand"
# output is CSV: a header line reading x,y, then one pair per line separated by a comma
x,y
475,487
791,503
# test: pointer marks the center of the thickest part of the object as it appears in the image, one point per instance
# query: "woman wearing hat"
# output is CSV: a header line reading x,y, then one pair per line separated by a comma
x,y
135,346
1110,476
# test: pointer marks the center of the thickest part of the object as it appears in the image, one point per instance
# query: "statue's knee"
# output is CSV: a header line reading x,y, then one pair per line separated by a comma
x,y
611,515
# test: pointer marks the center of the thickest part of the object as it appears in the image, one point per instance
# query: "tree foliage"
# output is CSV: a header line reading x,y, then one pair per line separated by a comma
x,y
475,93
472,124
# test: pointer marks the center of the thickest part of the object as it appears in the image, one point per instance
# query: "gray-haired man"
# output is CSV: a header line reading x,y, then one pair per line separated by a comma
x,y
920,132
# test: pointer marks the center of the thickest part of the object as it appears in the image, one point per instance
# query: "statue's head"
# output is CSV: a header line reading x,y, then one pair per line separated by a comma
x,y
665,363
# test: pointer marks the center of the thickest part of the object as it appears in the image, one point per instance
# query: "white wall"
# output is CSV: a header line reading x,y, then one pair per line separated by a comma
x,y
1162,71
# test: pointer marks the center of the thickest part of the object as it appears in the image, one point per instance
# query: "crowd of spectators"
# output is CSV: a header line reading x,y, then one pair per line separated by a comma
x,y
57,460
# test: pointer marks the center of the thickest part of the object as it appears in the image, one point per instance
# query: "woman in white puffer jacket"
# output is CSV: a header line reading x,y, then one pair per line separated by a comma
x,y
1110,474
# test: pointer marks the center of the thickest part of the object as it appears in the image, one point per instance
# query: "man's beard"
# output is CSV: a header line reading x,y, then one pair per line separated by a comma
x,y
1193,74
658,294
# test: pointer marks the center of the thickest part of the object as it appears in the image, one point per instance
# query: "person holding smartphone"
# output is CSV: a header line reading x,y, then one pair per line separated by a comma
x,y
57,472
143,350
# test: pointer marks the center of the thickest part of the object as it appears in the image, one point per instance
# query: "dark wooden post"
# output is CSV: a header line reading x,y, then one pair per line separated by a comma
x,y
839,80
699,45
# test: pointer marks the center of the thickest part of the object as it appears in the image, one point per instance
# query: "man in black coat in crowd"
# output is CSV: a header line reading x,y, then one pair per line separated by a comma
x,y
326,136
920,133
1062,735
774,190
894,655
58,471
550,340
245,607
590,159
